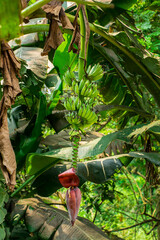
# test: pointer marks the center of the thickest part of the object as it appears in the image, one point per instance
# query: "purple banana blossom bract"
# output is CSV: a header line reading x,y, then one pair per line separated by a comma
x,y
70,180
73,200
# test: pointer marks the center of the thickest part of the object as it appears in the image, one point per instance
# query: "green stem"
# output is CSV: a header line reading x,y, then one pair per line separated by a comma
x,y
75,140
35,6
82,50
32,8
22,186
27,29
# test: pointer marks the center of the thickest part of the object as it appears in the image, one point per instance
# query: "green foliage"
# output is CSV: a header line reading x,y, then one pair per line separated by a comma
x,y
3,200
146,15
129,95
64,60
9,19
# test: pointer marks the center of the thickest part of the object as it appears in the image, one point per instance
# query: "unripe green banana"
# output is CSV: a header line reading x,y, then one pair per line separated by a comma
x,y
69,77
72,104
76,89
93,117
88,69
79,104
84,112
65,105
83,90
73,85
95,73
90,92
86,92
88,112
95,93
69,118
81,84
80,112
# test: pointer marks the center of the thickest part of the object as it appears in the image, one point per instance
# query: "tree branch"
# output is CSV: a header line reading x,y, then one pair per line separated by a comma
x,y
135,225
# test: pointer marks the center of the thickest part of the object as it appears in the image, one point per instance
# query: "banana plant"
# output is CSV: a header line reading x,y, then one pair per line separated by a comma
x,y
113,75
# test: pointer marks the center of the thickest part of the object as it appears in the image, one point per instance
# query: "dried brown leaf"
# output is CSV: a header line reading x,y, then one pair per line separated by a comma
x,y
56,15
65,21
53,223
76,34
7,156
54,38
87,29
10,69
53,8
24,3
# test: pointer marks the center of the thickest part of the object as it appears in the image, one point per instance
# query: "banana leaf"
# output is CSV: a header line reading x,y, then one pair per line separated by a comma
x,y
97,171
47,222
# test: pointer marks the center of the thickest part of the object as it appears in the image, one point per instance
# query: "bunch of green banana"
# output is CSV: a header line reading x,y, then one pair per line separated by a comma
x,y
87,114
75,87
72,103
87,89
94,73
82,98
69,77
73,118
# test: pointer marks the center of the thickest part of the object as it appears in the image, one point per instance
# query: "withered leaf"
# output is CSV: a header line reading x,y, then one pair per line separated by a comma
x,y
52,223
53,8
87,29
76,34
64,20
7,156
24,3
54,38
56,15
10,69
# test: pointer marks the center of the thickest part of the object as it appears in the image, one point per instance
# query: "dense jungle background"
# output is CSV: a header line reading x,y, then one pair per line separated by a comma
x,y
80,87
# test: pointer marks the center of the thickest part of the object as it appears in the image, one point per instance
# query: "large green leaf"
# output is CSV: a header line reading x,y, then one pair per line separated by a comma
x,y
105,15
64,59
30,141
92,148
127,65
49,222
97,171
149,156
3,213
2,232
37,162
124,4
98,145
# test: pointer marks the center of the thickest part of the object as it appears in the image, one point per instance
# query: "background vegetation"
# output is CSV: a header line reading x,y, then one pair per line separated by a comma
x,y
118,154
